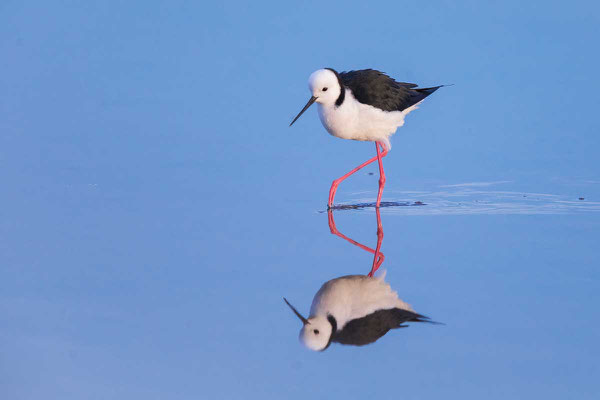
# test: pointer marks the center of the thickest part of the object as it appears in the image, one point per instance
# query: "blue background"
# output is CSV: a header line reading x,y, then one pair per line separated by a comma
x,y
156,207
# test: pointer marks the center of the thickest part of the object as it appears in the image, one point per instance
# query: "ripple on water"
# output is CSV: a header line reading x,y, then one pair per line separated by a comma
x,y
458,200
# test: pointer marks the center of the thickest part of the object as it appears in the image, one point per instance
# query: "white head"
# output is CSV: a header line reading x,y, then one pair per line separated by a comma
x,y
324,85
325,88
316,332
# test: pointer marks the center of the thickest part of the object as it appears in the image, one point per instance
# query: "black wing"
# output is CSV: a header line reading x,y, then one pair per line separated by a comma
x,y
379,90
368,329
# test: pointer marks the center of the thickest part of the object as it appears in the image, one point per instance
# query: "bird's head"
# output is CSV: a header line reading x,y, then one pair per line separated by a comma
x,y
325,86
316,332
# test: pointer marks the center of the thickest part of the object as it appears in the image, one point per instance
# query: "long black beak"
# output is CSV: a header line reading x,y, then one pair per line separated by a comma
x,y
310,103
304,320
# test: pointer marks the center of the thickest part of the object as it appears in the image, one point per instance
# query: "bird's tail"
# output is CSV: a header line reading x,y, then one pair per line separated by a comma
x,y
409,316
417,96
427,91
423,318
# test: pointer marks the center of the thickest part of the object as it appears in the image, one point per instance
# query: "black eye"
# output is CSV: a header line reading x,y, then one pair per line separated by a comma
x,y
316,331
324,89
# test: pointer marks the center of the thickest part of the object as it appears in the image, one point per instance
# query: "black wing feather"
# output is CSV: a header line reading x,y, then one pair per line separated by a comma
x,y
379,90
368,329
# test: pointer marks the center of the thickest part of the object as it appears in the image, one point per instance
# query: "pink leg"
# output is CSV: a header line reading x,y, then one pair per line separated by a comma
x,y
380,155
378,255
336,182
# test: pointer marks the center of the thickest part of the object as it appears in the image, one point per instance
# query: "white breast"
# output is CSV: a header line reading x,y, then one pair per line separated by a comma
x,y
357,121
355,296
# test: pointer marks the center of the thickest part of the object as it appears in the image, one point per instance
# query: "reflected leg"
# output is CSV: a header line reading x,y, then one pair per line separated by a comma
x,y
378,255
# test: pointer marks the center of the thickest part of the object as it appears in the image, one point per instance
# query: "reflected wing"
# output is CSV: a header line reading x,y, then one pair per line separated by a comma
x,y
368,329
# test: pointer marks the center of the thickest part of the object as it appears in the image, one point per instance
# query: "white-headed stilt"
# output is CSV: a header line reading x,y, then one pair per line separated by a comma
x,y
363,105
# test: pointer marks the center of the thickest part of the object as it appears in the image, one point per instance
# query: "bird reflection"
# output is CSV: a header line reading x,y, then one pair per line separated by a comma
x,y
355,309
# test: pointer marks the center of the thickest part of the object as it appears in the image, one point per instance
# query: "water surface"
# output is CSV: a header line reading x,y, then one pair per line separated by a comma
x,y
156,207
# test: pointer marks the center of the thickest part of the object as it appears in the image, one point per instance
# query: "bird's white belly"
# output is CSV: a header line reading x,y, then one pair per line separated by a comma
x,y
357,121
355,296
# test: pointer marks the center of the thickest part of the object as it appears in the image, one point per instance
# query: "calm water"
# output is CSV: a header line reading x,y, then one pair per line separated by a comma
x,y
132,291
155,206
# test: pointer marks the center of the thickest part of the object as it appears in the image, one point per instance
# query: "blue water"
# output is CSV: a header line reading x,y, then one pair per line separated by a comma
x,y
156,207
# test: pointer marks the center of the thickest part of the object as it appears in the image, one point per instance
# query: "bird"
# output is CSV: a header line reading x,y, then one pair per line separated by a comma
x,y
365,105
354,310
